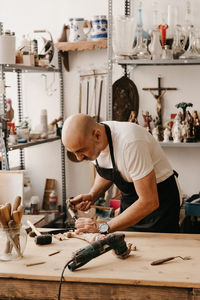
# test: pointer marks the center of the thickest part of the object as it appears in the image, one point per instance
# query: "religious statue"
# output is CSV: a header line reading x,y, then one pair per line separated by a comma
x,y
196,125
167,133
158,104
184,106
189,122
147,118
155,133
133,117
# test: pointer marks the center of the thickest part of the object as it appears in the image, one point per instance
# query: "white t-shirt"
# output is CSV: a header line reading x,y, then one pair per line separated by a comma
x,y
136,153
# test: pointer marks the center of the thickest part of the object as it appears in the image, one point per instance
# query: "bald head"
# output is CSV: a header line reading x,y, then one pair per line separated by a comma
x,y
77,127
83,136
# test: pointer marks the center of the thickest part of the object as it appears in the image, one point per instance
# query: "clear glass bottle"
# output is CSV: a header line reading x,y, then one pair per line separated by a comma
x,y
13,242
167,53
177,46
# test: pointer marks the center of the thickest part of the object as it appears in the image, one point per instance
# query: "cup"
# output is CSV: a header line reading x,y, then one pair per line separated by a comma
x,y
77,32
99,28
123,35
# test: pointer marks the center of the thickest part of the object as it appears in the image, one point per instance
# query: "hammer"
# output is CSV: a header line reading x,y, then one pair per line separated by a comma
x,y
40,239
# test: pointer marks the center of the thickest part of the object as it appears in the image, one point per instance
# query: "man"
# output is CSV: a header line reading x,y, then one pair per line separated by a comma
x,y
125,154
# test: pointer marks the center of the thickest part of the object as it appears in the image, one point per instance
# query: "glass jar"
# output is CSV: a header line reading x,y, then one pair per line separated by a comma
x,y
13,242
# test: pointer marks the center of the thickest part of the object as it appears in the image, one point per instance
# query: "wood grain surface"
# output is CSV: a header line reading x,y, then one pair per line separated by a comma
x,y
106,274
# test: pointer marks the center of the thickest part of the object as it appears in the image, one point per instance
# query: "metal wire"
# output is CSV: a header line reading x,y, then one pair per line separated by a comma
x,y
62,112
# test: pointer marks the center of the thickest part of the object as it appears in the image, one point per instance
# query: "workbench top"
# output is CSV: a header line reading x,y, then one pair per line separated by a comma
x,y
107,268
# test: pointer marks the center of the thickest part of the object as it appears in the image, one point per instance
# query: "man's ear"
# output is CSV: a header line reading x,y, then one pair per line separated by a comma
x,y
97,134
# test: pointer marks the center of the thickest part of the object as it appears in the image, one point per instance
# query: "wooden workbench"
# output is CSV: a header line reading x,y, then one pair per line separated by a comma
x,y
107,277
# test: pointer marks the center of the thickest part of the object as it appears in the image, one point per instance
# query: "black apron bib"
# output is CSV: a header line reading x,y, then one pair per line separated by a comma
x,y
163,219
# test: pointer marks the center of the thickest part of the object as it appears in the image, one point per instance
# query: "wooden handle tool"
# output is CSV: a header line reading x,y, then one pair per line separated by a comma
x,y
17,203
3,217
16,217
7,212
40,239
20,211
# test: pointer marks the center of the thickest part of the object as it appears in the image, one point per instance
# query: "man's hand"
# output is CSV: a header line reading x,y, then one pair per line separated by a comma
x,y
86,225
82,202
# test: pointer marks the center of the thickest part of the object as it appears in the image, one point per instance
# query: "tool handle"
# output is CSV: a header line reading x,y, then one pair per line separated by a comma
x,y
16,203
33,228
161,261
16,217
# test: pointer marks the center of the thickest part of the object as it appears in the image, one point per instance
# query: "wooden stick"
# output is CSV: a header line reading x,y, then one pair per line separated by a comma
x,y
17,203
53,253
37,263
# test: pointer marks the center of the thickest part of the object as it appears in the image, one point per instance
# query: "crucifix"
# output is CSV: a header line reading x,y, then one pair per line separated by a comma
x,y
158,97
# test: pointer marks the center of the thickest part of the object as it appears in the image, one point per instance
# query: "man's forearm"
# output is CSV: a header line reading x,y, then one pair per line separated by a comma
x,y
99,187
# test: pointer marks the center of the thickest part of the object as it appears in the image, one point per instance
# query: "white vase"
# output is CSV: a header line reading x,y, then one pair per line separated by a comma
x,y
155,46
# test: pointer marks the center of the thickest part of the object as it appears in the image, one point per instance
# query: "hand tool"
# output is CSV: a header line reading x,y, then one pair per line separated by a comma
x,y
17,203
161,261
71,209
40,239
113,241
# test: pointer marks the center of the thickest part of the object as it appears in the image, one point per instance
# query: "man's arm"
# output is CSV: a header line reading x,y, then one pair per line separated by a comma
x,y
147,202
100,186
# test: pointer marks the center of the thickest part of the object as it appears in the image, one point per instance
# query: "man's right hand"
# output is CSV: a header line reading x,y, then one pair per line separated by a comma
x,y
82,202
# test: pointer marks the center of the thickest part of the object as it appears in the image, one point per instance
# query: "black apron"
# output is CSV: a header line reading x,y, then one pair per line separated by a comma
x,y
163,219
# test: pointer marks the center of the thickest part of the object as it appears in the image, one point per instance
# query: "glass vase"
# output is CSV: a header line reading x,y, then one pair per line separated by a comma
x,y
13,242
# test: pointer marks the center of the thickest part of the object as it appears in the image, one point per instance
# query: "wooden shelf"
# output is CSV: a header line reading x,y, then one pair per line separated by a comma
x,y
81,46
181,145
33,143
28,69
157,62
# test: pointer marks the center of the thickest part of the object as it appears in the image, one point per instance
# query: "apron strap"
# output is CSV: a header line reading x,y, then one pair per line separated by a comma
x,y
108,133
175,173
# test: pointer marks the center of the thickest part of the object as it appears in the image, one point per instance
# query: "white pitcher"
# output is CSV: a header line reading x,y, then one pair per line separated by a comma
x,y
77,32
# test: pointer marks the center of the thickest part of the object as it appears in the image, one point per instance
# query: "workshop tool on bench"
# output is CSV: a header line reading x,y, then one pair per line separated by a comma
x,y
113,241
40,239
93,211
161,261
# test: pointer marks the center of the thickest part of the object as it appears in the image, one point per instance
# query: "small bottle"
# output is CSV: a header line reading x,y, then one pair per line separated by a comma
x,y
44,123
35,52
53,199
34,209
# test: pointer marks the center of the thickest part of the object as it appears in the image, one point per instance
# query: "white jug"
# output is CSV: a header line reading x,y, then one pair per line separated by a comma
x,y
77,32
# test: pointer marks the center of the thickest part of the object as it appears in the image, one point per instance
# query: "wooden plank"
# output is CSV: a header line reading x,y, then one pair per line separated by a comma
x,y
31,290
82,45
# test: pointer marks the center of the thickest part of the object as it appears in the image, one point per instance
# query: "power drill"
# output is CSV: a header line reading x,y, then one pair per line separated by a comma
x,y
112,241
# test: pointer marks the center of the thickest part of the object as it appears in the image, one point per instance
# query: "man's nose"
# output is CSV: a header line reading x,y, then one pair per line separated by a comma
x,y
79,156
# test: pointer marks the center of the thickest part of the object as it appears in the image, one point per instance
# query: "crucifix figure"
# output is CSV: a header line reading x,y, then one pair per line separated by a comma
x,y
158,97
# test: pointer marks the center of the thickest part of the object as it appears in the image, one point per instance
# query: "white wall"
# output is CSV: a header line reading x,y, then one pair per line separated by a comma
x,y
24,16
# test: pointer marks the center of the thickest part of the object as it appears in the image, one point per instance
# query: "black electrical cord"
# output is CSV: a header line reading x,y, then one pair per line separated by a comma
x,y
60,285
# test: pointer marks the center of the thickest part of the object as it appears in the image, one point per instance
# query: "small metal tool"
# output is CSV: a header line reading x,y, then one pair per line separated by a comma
x,y
163,260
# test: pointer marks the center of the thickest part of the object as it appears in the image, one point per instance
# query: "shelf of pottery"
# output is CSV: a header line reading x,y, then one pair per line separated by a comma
x,y
81,34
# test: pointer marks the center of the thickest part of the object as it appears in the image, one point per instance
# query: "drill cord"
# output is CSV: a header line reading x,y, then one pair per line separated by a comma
x,y
60,285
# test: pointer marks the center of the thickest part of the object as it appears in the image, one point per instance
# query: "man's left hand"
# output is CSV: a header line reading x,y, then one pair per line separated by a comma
x,y
86,225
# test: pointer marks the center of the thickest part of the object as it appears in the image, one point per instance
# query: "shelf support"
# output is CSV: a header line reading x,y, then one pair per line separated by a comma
x,y
20,114
62,112
109,57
